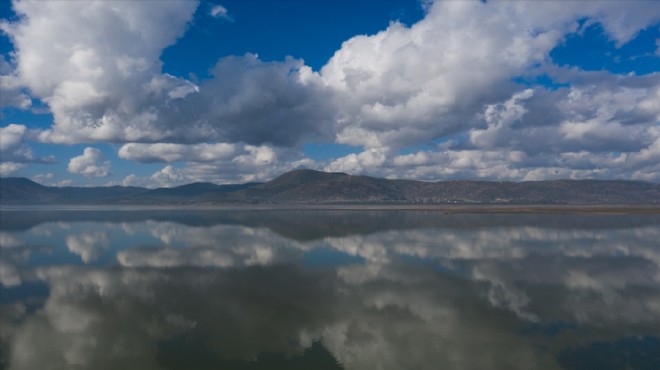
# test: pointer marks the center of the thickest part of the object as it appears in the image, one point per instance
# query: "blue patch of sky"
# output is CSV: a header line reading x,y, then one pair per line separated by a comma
x,y
591,49
540,80
311,30
418,148
39,116
6,13
62,154
457,139
327,151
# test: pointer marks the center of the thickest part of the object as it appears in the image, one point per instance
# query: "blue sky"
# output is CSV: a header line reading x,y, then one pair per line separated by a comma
x,y
161,94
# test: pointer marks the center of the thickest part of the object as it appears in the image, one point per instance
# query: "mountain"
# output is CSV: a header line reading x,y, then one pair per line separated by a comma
x,y
308,186
16,191
315,187
312,187
198,191
24,191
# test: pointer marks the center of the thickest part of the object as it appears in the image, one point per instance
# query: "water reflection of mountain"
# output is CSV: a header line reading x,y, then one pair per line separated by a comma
x,y
316,224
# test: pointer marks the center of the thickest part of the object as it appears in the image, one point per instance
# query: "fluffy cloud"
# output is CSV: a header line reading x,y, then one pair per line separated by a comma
x,y
450,78
9,168
429,165
11,88
218,162
42,177
12,144
91,164
15,153
168,153
104,83
406,85
601,127
367,161
596,118
14,150
168,176
259,102
450,73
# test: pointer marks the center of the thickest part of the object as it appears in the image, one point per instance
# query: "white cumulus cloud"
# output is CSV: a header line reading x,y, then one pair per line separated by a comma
x,y
14,147
446,84
167,152
407,85
91,163
9,168
93,62
11,88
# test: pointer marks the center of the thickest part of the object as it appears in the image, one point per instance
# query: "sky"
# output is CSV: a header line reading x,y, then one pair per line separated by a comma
x,y
164,93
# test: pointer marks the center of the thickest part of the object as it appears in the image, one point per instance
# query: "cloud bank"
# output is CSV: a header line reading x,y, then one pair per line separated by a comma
x,y
442,98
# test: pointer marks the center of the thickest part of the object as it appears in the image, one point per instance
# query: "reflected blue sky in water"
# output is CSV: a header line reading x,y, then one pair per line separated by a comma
x,y
377,290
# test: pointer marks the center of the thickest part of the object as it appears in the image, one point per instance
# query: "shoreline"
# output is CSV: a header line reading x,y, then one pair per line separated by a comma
x,y
447,209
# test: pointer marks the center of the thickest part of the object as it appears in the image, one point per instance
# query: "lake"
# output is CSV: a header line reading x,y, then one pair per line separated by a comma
x,y
313,289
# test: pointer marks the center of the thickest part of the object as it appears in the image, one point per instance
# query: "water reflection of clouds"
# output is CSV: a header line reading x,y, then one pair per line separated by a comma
x,y
12,254
112,318
217,246
599,273
423,298
9,274
8,240
87,245
518,242
102,319
595,291
453,243
174,257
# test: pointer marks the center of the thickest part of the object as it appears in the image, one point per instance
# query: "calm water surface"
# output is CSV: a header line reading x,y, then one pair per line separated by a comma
x,y
103,289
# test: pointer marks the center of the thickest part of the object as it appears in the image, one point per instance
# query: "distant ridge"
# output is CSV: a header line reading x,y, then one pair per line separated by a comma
x,y
316,187
197,190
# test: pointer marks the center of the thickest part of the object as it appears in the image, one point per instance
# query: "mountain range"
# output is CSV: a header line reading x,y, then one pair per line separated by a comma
x,y
311,187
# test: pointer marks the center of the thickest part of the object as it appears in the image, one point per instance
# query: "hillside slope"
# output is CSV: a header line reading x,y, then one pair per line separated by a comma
x,y
315,187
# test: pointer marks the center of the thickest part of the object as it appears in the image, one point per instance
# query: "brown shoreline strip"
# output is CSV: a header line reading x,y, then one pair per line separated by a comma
x,y
443,208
